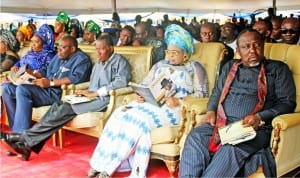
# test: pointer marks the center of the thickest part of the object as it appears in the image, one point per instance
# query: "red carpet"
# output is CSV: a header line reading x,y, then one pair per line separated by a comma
x,y
71,161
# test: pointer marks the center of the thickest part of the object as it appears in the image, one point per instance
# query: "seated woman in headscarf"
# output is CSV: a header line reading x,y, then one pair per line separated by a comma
x,y
62,27
91,33
42,50
76,29
8,50
24,35
125,141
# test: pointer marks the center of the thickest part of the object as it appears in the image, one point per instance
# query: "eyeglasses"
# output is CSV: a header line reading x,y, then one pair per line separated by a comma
x,y
291,31
207,33
172,52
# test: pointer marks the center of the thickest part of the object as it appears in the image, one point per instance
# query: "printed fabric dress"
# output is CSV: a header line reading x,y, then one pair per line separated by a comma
x,y
126,136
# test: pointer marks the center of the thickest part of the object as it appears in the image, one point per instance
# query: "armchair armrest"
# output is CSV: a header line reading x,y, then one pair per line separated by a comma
x,y
286,121
190,107
123,91
70,89
116,96
196,104
199,106
286,142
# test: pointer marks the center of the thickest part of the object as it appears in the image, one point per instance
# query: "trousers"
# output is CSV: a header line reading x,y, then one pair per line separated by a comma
x,y
20,99
228,161
56,117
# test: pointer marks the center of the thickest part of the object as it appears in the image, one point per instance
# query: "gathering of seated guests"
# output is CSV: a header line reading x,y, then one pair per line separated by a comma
x,y
55,59
210,33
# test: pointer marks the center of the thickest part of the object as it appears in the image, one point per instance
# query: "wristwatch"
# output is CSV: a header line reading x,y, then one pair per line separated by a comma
x,y
51,83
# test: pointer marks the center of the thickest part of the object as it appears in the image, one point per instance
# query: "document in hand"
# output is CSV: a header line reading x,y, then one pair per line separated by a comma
x,y
235,133
159,89
73,99
24,78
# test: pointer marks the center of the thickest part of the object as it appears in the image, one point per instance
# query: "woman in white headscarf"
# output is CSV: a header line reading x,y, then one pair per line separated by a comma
x,y
126,136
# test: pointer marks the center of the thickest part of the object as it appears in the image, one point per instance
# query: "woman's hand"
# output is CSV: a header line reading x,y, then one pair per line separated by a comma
x,y
138,98
14,69
171,102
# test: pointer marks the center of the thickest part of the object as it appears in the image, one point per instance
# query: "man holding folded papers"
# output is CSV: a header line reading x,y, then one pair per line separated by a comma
x,y
254,90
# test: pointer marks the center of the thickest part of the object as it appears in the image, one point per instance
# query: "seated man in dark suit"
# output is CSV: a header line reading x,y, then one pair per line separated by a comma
x,y
253,90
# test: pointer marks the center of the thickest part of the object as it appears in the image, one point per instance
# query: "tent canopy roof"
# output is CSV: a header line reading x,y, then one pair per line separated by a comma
x,y
138,6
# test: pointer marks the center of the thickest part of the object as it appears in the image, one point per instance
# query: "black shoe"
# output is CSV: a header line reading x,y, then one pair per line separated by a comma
x,y
2,135
13,137
18,148
23,150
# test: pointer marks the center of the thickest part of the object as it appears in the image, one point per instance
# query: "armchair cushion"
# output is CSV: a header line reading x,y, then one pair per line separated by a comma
x,y
85,120
166,149
164,134
39,112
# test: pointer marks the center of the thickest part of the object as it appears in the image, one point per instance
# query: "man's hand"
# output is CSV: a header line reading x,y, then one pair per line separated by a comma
x,y
89,94
252,120
42,82
209,118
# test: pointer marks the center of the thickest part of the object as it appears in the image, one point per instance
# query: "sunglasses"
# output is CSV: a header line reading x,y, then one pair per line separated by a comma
x,y
291,31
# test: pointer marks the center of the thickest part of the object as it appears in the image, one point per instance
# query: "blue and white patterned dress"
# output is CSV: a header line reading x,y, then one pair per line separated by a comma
x,y
126,135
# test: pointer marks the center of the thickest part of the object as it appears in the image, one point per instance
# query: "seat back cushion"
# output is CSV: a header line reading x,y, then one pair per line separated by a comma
x,y
139,58
209,55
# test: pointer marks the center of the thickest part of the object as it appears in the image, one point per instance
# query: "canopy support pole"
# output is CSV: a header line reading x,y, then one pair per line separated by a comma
x,y
114,6
274,7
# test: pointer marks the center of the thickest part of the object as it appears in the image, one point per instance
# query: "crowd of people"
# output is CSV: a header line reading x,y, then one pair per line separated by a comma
x,y
55,59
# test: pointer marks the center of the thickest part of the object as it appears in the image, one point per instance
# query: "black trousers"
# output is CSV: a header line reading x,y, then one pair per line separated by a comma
x,y
56,117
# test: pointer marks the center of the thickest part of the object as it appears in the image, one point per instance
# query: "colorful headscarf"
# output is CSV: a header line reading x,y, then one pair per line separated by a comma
x,y
176,35
63,18
92,27
27,31
46,34
10,40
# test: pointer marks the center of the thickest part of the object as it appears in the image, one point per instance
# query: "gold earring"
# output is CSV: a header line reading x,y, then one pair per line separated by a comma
x,y
185,58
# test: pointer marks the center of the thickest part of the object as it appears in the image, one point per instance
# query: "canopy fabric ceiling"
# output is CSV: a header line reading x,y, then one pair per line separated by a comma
x,y
138,6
